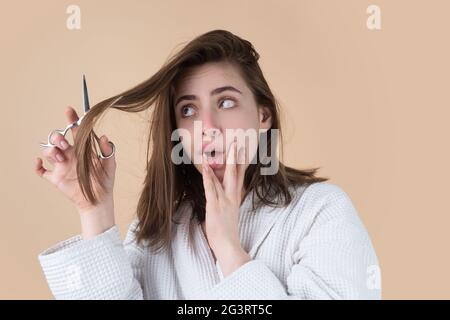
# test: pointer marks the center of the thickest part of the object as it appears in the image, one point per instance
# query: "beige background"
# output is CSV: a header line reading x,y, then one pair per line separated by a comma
x,y
369,107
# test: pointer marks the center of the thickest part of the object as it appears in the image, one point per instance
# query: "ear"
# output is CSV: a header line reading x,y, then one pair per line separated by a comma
x,y
265,118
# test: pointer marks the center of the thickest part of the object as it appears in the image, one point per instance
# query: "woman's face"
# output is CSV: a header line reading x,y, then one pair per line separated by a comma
x,y
211,103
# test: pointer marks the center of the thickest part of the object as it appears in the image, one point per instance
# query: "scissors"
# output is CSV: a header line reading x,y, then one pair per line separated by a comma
x,y
63,132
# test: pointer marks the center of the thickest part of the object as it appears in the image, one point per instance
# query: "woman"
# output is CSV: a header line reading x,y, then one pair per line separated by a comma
x,y
226,222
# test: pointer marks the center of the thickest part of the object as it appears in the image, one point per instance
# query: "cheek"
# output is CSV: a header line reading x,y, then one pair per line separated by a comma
x,y
186,135
188,147
245,117
195,158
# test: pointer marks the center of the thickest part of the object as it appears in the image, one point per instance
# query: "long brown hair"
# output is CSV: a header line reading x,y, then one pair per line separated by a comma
x,y
166,184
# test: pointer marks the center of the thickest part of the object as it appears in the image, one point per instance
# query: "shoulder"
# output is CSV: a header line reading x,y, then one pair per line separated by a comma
x,y
327,207
317,195
131,235
319,192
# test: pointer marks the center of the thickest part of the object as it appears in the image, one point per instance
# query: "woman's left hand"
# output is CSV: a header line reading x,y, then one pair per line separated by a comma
x,y
223,201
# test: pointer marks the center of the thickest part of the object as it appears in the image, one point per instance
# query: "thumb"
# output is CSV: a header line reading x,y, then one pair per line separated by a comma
x,y
106,148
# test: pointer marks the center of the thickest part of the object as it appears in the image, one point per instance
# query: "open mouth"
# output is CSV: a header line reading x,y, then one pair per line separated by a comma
x,y
215,158
210,154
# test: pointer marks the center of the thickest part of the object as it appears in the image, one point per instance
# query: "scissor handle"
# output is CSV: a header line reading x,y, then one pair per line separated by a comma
x,y
49,143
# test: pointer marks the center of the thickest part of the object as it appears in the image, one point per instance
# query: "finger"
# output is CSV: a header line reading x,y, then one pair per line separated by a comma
x,y
220,193
47,154
72,116
106,148
40,170
212,176
240,169
230,175
58,140
54,154
208,184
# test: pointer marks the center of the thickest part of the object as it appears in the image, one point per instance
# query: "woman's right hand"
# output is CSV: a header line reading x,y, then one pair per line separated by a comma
x,y
64,175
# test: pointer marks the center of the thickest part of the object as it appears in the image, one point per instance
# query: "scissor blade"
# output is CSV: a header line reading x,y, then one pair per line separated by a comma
x,y
85,96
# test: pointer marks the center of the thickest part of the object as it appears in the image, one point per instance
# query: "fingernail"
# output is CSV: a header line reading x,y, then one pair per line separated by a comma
x,y
59,157
64,145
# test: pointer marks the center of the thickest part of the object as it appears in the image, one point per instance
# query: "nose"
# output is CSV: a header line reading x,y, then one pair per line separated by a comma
x,y
210,133
211,128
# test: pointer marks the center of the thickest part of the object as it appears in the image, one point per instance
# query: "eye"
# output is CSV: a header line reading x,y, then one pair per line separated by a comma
x,y
183,111
228,103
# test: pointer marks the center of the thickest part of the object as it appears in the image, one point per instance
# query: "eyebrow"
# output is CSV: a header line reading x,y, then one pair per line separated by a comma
x,y
214,92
